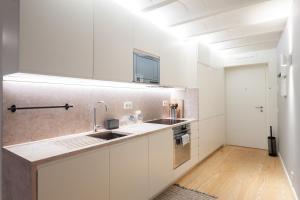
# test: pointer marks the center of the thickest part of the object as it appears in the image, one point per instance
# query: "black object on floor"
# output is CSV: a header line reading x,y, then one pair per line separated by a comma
x,y
272,144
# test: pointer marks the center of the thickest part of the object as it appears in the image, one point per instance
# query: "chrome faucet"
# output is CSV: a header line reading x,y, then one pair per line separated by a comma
x,y
95,114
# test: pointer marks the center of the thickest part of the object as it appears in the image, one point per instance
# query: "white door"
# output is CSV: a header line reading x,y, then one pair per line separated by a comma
x,y
246,106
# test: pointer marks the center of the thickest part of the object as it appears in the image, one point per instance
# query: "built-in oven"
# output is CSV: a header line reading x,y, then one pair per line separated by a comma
x,y
182,144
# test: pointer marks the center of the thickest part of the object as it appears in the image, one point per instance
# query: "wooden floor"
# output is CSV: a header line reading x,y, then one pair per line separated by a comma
x,y
238,173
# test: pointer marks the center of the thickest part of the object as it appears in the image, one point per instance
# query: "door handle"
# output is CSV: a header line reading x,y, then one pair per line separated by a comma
x,y
261,108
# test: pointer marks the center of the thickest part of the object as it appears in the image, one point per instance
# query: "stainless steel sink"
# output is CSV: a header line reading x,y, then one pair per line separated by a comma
x,y
107,135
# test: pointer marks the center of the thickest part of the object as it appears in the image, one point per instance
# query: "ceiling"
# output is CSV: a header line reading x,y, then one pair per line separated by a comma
x,y
231,26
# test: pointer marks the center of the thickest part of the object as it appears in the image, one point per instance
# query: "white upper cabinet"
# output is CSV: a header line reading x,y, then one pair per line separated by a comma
x,y
147,37
178,63
56,37
113,42
96,39
190,65
169,62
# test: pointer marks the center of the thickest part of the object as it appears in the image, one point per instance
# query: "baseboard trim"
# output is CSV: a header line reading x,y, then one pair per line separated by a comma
x,y
288,177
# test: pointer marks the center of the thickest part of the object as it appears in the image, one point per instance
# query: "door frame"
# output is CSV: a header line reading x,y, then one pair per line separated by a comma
x,y
267,100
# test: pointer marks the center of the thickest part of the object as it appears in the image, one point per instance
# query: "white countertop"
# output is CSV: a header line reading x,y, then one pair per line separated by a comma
x,y
50,148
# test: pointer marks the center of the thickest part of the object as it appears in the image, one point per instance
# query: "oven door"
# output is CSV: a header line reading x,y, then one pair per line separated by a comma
x,y
182,153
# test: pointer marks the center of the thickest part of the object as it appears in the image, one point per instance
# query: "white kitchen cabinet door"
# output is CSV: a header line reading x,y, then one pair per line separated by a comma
x,y
178,63
147,37
205,141
56,37
194,140
160,160
194,147
129,170
170,71
169,61
113,42
211,135
191,65
195,129
85,176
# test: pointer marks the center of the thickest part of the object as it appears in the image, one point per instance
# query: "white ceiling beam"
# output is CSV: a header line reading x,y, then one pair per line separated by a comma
x,y
250,44
250,35
239,19
266,45
271,26
218,12
158,5
213,31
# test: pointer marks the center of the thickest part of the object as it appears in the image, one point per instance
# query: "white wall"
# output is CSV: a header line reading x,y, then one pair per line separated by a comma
x,y
1,46
261,57
289,107
211,101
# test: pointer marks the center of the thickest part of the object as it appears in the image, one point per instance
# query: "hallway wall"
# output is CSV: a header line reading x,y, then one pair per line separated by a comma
x,y
1,47
289,107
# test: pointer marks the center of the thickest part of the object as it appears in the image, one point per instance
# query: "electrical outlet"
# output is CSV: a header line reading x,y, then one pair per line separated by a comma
x,y
292,175
165,103
128,105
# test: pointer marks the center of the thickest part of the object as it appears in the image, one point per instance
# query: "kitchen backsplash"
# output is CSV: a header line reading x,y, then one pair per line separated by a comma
x,y
31,125
191,101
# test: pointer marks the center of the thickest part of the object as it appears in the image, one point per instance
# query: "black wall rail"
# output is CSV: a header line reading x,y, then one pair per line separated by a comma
x,y
14,108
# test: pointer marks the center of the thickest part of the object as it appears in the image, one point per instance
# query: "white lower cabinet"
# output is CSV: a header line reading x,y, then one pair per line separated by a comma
x,y
194,142
204,139
211,135
129,170
136,169
85,176
160,161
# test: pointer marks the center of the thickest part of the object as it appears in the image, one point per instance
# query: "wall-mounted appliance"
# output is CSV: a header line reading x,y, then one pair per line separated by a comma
x,y
285,63
285,60
146,68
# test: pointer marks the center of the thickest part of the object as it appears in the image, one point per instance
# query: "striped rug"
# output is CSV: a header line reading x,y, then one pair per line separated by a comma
x,y
176,192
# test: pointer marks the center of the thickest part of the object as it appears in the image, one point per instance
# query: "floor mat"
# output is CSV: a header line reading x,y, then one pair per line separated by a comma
x,y
176,192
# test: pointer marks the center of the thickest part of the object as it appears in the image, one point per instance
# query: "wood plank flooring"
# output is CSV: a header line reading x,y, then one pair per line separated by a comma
x,y
238,173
